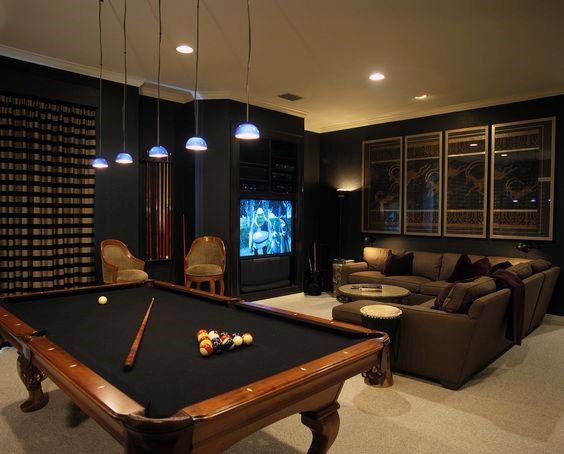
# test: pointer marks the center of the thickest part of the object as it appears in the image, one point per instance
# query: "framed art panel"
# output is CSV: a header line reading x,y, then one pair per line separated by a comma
x,y
423,184
522,180
465,209
381,185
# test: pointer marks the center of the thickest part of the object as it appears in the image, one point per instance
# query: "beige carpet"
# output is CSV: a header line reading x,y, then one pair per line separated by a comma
x,y
514,406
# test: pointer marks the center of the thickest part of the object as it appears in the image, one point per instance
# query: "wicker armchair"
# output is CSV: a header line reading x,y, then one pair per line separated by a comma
x,y
119,265
205,262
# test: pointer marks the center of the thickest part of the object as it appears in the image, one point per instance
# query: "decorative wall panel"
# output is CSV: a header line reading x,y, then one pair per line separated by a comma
x,y
423,183
466,165
522,180
381,185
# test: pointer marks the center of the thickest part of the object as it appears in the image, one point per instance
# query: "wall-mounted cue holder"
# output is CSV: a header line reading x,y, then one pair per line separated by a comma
x,y
158,209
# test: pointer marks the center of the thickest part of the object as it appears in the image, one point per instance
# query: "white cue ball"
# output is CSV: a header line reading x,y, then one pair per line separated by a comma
x,y
102,300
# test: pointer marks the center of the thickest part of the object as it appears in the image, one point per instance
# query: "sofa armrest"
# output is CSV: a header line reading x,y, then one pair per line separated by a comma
x,y
349,268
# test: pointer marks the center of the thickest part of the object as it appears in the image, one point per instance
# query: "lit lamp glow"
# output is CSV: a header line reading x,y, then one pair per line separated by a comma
x,y
196,144
124,158
100,163
247,131
158,151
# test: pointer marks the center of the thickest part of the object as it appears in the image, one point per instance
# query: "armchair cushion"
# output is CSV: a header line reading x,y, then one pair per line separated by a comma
x,y
204,269
131,275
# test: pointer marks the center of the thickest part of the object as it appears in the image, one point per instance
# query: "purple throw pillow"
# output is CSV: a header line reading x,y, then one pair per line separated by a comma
x,y
441,297
398,265
465,269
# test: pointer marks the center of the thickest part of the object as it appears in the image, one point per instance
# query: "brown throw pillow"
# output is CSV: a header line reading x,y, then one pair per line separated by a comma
x,y
398,265
463,294
465,269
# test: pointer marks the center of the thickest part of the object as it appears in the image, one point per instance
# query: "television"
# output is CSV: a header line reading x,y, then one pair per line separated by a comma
x,y
265,227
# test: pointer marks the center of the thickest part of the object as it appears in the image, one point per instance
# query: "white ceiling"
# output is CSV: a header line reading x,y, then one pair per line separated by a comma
x,y
464,53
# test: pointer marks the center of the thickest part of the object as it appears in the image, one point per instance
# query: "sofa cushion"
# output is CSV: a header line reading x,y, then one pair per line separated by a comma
x,y
500,266
427,264
465,269
539,265
365,277
411,283
433,288
523,270
449,262
376,257
463,294
401,265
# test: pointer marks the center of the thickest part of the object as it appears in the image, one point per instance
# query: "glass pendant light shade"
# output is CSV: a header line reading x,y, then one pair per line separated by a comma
x,y
158,151
196,144
100,163
124,158
247,131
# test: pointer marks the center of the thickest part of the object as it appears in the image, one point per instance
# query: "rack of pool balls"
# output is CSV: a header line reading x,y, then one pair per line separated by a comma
x,y
214,342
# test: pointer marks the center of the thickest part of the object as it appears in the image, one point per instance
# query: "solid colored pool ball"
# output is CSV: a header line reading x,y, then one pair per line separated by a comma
x,y
237,340
206,350
217,349
102,300
247,339
201,334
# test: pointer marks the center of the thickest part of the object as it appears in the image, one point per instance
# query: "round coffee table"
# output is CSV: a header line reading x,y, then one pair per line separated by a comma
x,y
389,293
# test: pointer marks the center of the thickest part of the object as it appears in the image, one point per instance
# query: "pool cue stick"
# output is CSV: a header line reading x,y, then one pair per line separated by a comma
x,y
314,257
130,359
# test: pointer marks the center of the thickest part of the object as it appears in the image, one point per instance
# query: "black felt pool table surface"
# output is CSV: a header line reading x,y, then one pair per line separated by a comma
x,y
169,373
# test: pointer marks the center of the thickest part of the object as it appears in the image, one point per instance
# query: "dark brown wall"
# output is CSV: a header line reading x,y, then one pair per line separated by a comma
x,y
340,166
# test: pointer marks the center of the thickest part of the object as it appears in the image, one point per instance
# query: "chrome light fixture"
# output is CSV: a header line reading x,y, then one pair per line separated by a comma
x,y
158,151
247,130
197,143
100,162
124,157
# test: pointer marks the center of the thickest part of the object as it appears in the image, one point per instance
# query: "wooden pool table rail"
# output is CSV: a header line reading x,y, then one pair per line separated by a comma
x,y
213,425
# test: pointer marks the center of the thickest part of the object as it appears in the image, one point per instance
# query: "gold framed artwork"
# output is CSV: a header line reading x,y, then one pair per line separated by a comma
x,y
466,182
381,185
423,184
522,180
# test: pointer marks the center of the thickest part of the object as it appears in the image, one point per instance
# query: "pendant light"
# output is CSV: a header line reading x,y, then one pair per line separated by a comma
x,y
124,157
197,143
100,162
247,130
158,151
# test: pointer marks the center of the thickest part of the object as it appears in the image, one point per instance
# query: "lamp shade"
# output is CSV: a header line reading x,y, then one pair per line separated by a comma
x,y
158,151
247,131
196,144
124,158
100,163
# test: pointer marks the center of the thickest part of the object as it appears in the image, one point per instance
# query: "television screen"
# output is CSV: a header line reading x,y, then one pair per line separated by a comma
x,y
265,227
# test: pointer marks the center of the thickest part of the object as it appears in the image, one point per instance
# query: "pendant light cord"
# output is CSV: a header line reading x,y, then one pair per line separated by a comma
x,y
125,72
249,53
100,78
196,106
159,79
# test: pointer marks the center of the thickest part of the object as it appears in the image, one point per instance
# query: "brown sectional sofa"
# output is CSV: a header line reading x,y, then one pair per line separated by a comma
x,y
443,346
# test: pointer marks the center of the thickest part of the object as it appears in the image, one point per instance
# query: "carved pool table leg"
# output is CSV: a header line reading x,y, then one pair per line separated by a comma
x,y
31,377
324,426
381,374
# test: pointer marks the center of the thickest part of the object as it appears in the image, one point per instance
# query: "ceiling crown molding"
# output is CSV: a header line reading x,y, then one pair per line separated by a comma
x,y
437,111
168,92
65,65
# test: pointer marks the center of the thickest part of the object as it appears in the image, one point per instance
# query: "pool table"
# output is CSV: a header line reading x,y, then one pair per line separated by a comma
x,y
173,399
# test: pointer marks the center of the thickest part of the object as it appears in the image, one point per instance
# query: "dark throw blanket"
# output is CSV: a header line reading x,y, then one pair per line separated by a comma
x,y
516,311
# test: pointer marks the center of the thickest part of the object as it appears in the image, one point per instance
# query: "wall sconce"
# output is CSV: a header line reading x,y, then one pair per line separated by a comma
x,y
524,247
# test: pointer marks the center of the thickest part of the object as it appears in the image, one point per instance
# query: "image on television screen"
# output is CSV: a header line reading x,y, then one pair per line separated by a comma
x,y
265,227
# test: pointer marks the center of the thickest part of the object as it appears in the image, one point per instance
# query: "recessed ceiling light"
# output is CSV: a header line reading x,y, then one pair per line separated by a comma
x,y
421,97
473,144
377,76
184,49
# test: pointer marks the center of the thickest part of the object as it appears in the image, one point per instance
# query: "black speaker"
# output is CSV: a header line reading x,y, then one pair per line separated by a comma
x,y
313,284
